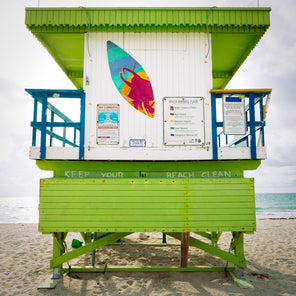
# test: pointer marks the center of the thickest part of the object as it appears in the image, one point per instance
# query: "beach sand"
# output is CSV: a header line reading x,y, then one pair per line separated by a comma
x,y
270,252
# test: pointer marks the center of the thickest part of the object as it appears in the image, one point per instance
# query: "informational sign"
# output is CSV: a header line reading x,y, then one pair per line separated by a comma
x,y
234,116
137,143
107,124
183,121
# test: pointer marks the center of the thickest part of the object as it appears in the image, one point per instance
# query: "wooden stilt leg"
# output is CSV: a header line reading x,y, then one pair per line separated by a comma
x,y
238,246
238,276
184,248
58,250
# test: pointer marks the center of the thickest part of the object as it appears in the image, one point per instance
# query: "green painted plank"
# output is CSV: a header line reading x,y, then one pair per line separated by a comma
x,y
60,166
140,188
139,205
143,181
121,19
67,193
96,224
163,225
198,189
152,199
124,220
94,228
145,212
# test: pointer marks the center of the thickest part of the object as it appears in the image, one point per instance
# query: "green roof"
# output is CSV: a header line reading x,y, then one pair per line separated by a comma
x,y
234,32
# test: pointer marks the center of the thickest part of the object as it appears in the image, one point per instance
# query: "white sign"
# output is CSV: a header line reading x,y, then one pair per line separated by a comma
x,y
137,143
234,116
107,124
183,121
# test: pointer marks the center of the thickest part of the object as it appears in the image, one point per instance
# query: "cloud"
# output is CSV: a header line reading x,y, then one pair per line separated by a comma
x,y
274,178
26,64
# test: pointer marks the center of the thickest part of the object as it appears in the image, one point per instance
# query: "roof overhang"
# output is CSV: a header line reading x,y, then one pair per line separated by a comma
x,y
234,32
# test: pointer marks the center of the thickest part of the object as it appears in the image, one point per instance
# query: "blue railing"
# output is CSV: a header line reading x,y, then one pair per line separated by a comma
x,y
255,121
46,128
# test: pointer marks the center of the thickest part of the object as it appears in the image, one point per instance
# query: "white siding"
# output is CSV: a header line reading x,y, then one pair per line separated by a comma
x,y
176,66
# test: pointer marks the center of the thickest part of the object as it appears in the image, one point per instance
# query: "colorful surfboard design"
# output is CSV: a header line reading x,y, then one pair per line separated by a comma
x,y
130,79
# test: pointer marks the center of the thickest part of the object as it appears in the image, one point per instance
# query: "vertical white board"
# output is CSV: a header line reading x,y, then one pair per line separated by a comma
x,y
176,65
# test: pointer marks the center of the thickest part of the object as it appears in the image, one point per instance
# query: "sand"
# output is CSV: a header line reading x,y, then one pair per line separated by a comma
x,y
270,253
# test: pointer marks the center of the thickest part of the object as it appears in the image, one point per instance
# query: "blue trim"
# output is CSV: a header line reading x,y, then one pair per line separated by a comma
x,y
43,127
54,135
214,126
62,93
51,128
58,137
56,124
46,128
34,120
53,108
75,134
251,123
262,120
64,136
252,126
82,126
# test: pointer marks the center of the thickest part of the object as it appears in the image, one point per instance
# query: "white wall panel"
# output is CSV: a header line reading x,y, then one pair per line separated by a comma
x,y
176,66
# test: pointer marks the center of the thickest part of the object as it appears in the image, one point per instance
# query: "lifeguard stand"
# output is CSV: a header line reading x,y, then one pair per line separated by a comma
x,y
160,145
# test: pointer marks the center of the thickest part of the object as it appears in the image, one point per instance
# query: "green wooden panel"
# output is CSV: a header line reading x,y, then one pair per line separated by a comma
x,y
61,166
139,205
188,215
142,181
146,19
132,205
148,200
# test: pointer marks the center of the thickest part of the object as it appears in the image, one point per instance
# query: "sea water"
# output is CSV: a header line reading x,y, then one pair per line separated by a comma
x,y
268,205
19,209
275,205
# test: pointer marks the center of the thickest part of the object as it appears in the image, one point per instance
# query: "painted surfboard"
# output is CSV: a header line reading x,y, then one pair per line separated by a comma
x,y
130,79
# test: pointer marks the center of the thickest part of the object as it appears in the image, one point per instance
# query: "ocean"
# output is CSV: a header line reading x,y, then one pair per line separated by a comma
x,y
275,205
268,205
19,209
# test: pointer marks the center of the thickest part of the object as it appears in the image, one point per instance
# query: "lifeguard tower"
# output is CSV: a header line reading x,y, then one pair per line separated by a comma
x,y
160,145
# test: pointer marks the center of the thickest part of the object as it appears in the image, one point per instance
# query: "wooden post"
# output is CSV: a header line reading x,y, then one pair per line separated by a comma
x,y
238,246
58,250
184,248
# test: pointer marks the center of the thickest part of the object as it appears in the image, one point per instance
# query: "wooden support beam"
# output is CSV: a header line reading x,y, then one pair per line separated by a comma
x,y
86,236
204,234
184,248
235,259
58,250
59,260
238,247
215,237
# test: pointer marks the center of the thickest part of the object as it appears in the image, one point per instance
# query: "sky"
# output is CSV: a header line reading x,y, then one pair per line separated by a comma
x,y
26,64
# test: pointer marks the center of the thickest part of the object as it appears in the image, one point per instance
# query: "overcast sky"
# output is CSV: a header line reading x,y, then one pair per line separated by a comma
x,y
26,64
